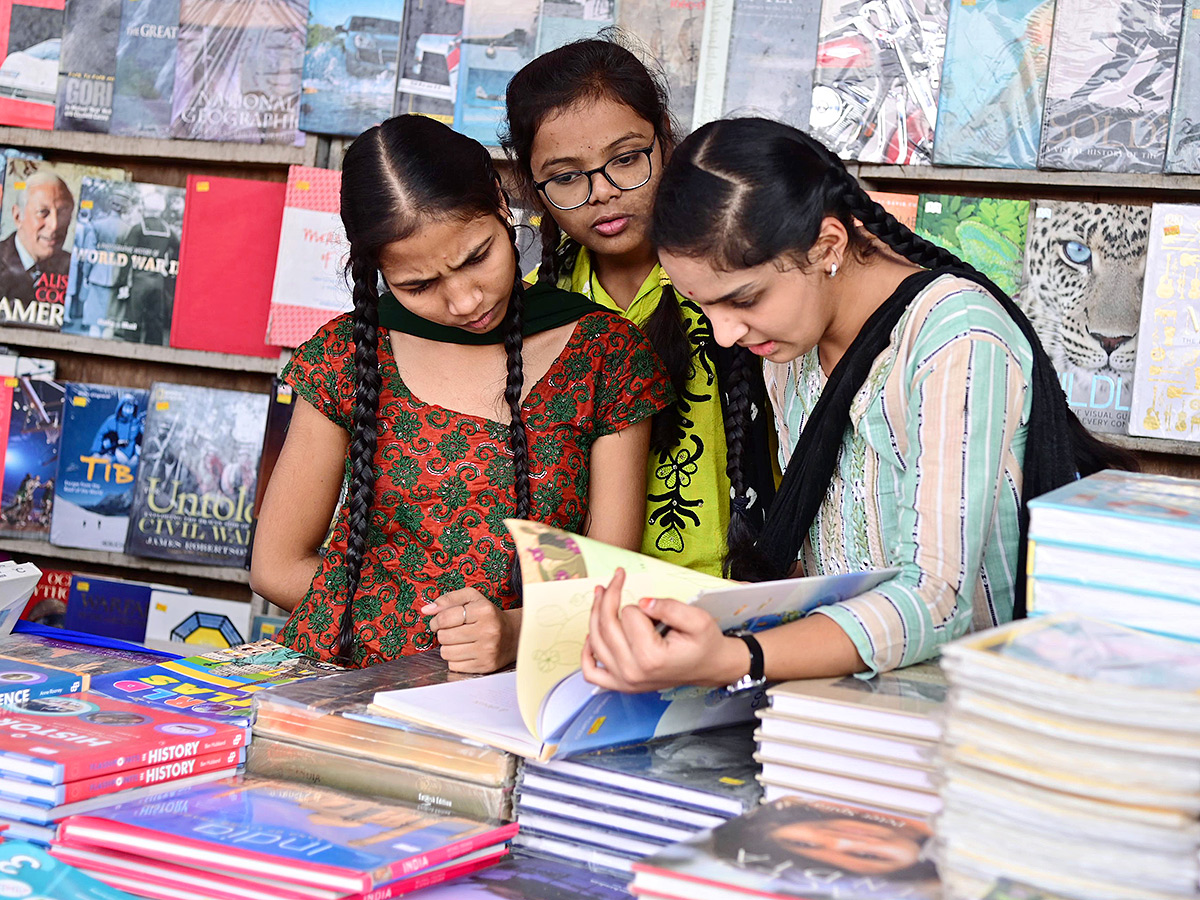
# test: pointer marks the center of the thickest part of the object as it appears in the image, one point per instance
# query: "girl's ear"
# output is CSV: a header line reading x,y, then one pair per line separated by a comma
x,y
831,244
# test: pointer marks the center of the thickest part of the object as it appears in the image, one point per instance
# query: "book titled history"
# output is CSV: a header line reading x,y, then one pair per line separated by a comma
x,y
238,70
1166,378
1183,137
875,89
430,49
88,65
31,34
350,65
196,482
671,32
145,73
993,84
1108,88
499,37
31,457
98,458
986,233
1082,290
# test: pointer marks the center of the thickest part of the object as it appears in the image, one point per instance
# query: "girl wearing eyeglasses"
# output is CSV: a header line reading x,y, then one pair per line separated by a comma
x,y
588,132
917,413
454,397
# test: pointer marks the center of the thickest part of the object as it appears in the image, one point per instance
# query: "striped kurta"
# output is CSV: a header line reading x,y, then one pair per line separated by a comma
x,y
928,478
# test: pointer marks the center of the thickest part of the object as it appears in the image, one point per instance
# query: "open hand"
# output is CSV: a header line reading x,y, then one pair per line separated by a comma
x,y
476,635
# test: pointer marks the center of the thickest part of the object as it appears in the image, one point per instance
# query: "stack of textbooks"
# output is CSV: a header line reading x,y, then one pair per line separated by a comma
x,y
869,742
609,808
794,848
320,731
1119,546
258,839
1082,737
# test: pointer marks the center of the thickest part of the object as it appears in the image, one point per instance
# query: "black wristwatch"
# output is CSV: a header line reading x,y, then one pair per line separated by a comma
x,y
757,674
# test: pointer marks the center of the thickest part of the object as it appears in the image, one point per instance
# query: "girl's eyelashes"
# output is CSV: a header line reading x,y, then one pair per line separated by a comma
x,y
744,303
419,288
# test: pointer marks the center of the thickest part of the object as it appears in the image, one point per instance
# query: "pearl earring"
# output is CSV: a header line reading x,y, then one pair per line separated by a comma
x,y
832,269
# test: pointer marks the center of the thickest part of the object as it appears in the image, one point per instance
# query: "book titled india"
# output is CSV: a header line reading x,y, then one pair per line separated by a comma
x,y
21,681
430,49
993,84
671,32
350,65
88,65
145,75
31,871
1166,377
875,88
1108,87
195,486
31,457
1082,290
297,834
31,33
499,37
98,457
238,70
1183,137
988,234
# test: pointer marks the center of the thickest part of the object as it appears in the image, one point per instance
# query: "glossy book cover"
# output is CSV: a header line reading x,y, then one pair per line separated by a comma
x,y
1183,140
984,232
29,871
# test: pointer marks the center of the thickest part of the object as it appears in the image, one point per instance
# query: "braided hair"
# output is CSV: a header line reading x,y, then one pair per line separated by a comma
x,y
743,192
397,176
579,72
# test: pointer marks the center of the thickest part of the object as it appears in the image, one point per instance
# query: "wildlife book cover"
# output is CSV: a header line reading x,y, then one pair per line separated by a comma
x,y
1082,290
1183,139
985,232
87,65
98,460
1108,91
430,51
145,79
196,483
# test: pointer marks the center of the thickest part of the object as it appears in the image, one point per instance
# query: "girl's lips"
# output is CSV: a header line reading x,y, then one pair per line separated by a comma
x,y
612,227
483,321
766,348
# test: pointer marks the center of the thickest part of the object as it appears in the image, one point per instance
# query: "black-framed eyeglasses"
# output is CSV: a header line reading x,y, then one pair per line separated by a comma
x,y
626,172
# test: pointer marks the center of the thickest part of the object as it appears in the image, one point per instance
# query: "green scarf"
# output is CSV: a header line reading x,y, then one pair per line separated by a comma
x,y
546,307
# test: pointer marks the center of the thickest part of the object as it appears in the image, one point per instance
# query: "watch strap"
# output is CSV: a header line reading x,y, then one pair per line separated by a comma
x,y
757,664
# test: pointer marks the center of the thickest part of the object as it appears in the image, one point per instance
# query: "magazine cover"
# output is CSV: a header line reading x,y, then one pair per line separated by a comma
x,y
1108,90
875,90
109,607
988,234
430,49
799,848
98,457
125,261
1166,378
350,65
994,84
309,289
1082,290
30,871
31,34
195,486
1183,139
499,37
88,65
37,234
670,32
145,79
196,622
31,458
48,603
237,71
563,21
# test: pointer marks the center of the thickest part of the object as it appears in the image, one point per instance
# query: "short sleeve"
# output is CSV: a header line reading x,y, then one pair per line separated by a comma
x,y
632,383
322,370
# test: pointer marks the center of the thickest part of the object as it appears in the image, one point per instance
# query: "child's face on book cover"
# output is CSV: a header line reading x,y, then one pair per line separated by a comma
x,y
865,848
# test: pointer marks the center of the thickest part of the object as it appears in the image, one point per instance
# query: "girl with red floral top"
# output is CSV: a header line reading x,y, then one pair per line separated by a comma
x,y
452,397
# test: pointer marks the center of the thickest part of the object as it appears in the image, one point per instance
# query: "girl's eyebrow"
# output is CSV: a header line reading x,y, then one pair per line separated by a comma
x,y
737,292
471,254
574,160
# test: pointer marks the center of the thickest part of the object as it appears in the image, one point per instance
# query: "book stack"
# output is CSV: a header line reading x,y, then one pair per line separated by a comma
x,y
870,742
610,808
321,732
258,839
1119,546
1083,737
532,878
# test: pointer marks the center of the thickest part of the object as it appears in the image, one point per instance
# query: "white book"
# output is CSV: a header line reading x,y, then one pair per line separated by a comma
x,y
190,619
839,787
783,757
776,729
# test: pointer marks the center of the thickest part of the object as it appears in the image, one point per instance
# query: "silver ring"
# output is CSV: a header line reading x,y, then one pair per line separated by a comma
x,y
464,609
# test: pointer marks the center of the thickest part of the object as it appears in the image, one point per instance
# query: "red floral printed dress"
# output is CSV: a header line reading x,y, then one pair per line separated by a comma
x,y
444,479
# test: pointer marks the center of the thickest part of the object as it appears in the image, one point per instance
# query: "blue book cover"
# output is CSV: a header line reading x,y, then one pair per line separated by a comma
x,y
145,75
993,84
1183,138
1138,496
31,459
322,837
29,871
21,681
349,65
499,38
97,465
108,607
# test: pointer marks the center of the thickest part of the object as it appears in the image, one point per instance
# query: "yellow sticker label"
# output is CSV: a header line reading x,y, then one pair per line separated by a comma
x,y
284,398
19,186
1171,229
1196,13
596,725
161,607
162,404
79,401
83,585
86,204
11,382
303,185
968,2
738,781
201,187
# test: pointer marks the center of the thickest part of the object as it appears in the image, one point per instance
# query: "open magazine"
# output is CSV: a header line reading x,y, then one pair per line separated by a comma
x,y
546,708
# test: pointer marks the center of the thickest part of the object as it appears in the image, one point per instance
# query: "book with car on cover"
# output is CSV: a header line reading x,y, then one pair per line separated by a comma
x,y
31,33
430,49
498,38
546,708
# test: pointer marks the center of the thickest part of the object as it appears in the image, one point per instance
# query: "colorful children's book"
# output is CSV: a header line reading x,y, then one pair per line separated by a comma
x,y
30,871
98,458
31,457
545,708
145,74
430,49
194,621
993,84
985,233
31,33
87,63
498,38
299,835
309,289
1082,290
1183,138
1166,377
108,606
21,681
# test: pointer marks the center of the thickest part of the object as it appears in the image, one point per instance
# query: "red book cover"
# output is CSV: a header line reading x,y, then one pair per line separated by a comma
x,y
76,736
30,36
227,265
48,603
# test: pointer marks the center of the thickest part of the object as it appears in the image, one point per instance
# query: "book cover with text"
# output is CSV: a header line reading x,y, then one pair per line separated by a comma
x,y
145,75
87,65
670,32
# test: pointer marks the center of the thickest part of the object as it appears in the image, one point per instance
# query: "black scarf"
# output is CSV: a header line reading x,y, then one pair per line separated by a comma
x,y
1052,457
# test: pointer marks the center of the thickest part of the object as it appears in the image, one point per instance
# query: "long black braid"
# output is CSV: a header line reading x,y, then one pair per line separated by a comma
x,y
518,441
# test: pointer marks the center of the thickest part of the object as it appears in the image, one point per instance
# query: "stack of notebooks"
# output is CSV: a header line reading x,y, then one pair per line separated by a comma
x,y
259,839
321,731
1082,738
609,808
868,742
1120,546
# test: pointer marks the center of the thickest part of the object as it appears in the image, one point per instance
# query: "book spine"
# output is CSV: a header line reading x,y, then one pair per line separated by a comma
x,y
126,780
116,759
447,852
429,879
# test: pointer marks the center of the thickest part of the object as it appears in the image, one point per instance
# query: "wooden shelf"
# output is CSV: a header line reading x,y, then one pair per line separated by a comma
x,y
1152,445
53,340
1032,177
155,148
21,549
